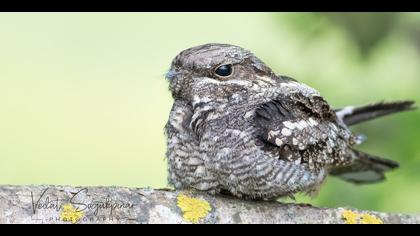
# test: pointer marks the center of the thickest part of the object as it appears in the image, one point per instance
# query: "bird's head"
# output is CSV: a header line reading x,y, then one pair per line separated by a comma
x,y
216,70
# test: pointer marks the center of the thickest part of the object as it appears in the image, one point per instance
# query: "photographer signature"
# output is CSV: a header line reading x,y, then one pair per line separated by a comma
x,y
46,202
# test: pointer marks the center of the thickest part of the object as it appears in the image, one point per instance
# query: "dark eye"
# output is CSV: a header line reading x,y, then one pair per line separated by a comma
x,y
224,70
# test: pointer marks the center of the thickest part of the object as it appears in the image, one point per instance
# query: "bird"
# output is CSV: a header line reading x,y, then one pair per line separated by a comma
x,y
238,128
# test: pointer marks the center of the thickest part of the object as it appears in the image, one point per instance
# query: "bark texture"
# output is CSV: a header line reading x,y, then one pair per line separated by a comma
x,y
63,204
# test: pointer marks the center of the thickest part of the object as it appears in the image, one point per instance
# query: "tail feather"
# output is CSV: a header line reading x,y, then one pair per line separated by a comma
x,y
355,115
365,169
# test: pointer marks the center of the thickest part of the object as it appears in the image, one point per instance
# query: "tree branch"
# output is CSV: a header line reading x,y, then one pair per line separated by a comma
x,y
57,204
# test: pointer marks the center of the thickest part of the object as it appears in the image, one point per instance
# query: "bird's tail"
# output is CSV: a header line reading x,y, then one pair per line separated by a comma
x,y
355,115
365,169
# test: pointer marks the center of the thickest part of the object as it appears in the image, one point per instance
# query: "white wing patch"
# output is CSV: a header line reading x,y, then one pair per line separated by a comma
x,y
286,132
300,125
344,112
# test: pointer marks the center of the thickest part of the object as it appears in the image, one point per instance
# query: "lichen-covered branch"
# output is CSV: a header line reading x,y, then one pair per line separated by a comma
x,y
56,204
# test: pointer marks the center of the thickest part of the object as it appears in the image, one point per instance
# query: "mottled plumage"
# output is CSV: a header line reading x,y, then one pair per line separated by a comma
x,y
243,130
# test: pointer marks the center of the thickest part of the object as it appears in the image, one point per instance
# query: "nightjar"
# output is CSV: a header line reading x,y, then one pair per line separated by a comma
x,y
238,128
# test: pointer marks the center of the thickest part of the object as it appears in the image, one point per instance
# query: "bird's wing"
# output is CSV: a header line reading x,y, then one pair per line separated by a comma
x,y
300,125
282,123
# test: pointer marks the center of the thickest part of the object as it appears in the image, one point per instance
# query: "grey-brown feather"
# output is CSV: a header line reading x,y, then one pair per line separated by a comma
x,y
355,115
225,134
365,169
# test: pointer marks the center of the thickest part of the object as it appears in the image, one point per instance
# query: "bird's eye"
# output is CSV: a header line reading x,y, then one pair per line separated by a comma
x,y
224,70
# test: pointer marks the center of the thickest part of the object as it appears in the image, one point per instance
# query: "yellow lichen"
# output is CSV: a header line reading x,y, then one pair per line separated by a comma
x,y
351,217
193,209
69,213
370,219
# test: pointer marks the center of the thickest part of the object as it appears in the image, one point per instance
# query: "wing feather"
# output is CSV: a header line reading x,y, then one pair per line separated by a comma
x,y
302,130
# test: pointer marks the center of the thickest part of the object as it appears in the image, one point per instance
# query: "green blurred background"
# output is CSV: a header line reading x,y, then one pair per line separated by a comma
x,y
83,99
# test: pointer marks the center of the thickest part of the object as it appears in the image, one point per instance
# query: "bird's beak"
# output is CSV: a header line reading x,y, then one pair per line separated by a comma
x,y
171,74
